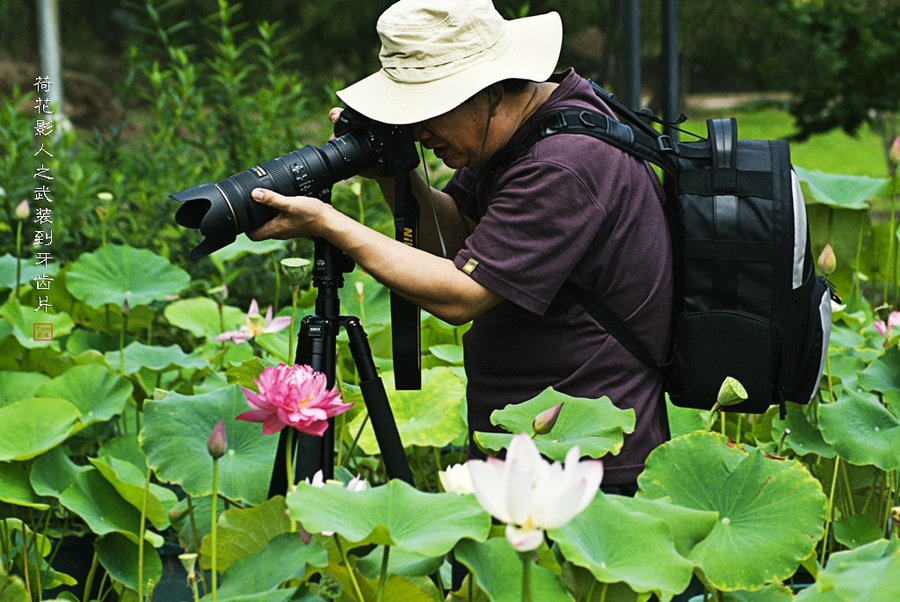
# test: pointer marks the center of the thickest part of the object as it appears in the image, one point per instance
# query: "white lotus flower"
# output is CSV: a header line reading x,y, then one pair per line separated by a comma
x,y
532,495
456,479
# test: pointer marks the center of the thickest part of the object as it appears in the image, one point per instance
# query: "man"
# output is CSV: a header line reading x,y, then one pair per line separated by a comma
x,y
505,235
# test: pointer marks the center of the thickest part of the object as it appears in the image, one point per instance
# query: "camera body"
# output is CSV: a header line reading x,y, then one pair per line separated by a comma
x,y
223,210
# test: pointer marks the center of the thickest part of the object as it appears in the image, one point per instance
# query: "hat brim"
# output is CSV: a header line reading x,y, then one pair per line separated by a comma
x,y
532,53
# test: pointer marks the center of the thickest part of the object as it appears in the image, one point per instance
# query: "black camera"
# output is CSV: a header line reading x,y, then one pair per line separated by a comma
x,y
223,210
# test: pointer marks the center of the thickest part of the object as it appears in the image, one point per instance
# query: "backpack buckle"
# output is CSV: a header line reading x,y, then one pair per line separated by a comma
x,y
665,144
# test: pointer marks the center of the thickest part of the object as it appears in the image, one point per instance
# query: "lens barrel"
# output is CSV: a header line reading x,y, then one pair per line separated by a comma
x,y
223,210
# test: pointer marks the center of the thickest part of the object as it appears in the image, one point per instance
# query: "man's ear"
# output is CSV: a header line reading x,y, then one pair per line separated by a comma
x,y
495,95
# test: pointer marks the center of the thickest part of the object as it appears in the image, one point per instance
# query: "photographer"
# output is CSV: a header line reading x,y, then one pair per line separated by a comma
x,y
501,239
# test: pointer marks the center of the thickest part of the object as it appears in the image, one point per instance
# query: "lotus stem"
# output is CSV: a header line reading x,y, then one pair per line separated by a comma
x,y
141,531
212,529
382,580
830,512
527,593
18,256
294,291
356,591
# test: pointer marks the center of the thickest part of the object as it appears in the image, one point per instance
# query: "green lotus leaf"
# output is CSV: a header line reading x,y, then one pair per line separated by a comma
x,y
497,569
617,540
97,393
31,426
451,354
119,556
129,481
842,191
24,323
802,437
12,588
244,531
771,511
861,430
15,487
685,420
54,472
285,557
12,531
689,526
245,373
773,592
431,417
892,400
97,502
595,425
393,514
870,573
400,562
28,271
200,316
118,273
857,530
156,359
883,374
244,246
174,435
16,385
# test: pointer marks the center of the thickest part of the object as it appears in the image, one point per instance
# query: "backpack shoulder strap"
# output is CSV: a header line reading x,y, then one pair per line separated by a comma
x,y
613,325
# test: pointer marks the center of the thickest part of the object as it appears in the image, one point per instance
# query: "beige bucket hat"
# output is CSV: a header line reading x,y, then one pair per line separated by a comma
x,y
437,53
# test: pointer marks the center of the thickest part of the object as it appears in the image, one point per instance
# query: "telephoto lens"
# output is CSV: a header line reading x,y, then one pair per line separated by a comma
x,y
223,210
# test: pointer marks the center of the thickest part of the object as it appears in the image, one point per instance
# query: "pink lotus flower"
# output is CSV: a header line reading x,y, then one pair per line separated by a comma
x,y
530,494
256,325
294,396
884,329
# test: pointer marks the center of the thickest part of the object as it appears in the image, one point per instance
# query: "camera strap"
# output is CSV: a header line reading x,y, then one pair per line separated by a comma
x,y
405,316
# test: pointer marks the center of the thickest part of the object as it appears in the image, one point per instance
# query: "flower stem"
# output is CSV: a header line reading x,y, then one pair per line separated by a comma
x,y
142,529
383,577
18,257
294,289
289,461
212,529
830,513
357,592
527,594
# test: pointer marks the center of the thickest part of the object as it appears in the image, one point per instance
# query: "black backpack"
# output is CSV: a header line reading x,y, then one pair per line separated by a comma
x,y
747,302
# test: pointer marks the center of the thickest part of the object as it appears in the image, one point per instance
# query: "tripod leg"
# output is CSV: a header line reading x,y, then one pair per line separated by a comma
x,y
379,409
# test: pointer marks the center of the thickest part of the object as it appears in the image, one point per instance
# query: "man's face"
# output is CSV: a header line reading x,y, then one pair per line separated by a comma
x,y
457,136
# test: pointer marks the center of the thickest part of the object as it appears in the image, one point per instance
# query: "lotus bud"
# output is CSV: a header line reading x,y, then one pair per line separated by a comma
x,y
105,196
457,479
827,260
544,422
217,444
895,151
295,270
360,291
219,293
23,210
188,561
731,392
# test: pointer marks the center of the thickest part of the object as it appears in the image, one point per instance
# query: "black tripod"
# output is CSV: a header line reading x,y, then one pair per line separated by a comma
x,y
317,341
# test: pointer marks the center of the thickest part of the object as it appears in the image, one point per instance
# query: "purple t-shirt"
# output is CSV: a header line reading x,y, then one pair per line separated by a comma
x,y
575,209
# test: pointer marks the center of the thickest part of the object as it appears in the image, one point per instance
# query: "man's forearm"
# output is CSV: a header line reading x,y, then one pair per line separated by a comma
x,y
442,227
